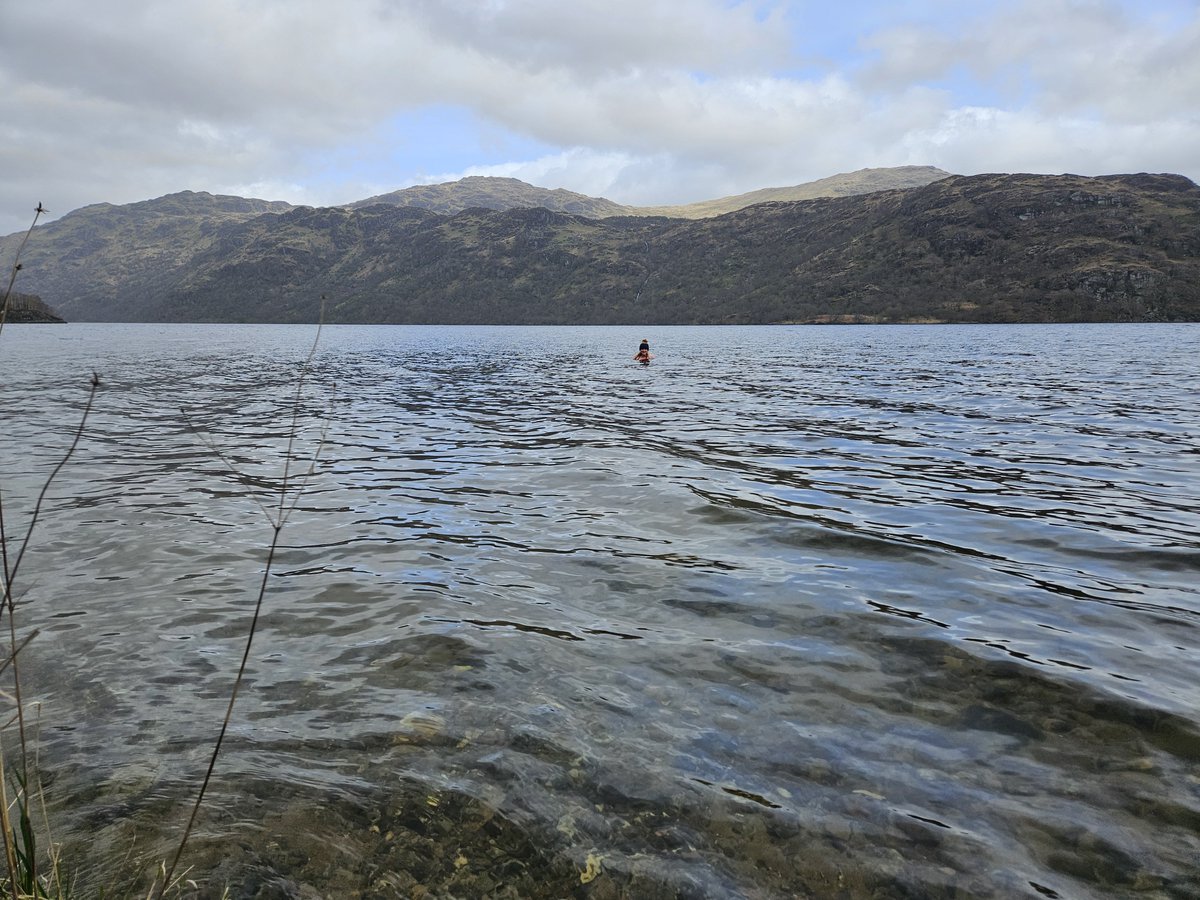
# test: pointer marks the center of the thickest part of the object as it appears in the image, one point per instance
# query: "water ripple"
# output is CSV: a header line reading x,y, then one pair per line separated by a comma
x,y
790,611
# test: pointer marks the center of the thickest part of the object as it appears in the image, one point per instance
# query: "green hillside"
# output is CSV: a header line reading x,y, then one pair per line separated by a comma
x,y
988,248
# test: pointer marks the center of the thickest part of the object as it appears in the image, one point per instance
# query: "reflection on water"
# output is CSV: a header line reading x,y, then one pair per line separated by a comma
x,y
861,612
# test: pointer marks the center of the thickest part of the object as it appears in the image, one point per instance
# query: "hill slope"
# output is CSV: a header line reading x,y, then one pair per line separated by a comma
x,y
494,193
86,261
97,261
510,193
990,248
864,181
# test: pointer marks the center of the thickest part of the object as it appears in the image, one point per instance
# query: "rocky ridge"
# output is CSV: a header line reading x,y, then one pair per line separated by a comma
x,y
987,248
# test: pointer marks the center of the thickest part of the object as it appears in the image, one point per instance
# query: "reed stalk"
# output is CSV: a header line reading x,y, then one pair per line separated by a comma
x,y
21,853
277,516
19,785
16,266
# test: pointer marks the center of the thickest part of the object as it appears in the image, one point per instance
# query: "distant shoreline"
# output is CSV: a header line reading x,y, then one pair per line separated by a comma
x,y
631,325
28,317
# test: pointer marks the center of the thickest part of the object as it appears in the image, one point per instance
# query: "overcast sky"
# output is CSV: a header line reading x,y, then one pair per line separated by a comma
x,y
640,101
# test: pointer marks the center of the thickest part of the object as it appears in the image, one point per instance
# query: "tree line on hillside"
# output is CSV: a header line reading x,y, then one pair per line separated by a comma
x,y
29,308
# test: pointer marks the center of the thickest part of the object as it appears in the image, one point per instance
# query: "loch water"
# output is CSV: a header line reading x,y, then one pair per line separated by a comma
x,y
789,612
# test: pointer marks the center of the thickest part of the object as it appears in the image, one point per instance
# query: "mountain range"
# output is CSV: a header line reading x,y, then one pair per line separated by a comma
x,y
509,193
913,244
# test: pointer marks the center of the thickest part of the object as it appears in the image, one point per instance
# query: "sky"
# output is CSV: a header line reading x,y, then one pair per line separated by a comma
x,y
644,102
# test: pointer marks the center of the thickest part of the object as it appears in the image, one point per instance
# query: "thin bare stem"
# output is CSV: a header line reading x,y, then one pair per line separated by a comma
x,y
12,279
3,559
208,442
12,656
16,266
308,473
53,852
10,575
237,684
277,522
10,854
287,459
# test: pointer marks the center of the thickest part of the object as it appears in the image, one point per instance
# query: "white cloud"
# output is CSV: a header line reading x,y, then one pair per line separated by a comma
x,y
645,101
585,170
599,38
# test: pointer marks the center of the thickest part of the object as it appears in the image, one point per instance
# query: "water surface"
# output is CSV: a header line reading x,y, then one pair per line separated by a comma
x,y
810,611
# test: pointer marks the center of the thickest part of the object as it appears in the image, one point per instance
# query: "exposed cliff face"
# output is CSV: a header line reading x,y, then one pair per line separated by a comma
x,y
990,248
